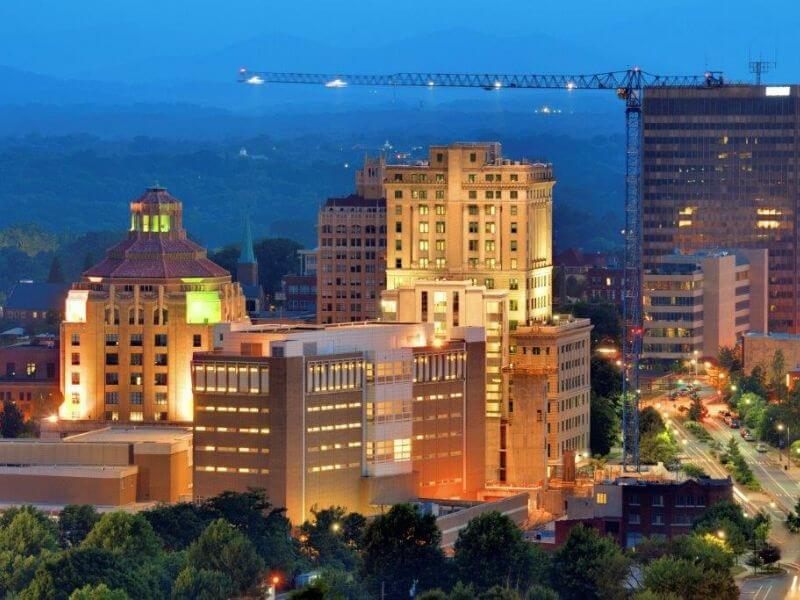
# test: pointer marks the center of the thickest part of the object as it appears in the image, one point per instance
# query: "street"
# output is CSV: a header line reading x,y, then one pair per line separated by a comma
x,y
781,489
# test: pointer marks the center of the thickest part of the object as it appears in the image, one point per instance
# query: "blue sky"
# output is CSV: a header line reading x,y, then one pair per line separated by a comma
x,y
116,39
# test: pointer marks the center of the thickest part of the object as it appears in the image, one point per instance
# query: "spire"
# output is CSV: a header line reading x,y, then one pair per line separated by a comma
x,y
246,255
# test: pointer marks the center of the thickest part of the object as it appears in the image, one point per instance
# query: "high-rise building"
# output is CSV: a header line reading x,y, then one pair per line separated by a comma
x,y
697,303
356,415
134,320
470,214
351,261
720,171
550,395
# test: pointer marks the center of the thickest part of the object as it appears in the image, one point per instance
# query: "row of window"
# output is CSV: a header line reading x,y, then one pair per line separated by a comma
x,y
231,379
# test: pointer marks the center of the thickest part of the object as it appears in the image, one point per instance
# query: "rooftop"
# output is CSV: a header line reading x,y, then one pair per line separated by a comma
x,y
355,201
133,434
27,295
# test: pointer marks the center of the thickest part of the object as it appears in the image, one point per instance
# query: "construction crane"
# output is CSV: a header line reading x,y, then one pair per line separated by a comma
x,y
630,86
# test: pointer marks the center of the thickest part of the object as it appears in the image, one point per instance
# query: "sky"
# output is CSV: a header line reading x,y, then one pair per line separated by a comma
x,y
124,41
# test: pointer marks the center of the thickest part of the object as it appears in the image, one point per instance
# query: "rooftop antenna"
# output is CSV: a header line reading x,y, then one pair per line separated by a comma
x,y
761,67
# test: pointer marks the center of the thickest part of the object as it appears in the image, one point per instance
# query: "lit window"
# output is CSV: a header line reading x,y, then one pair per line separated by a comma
x,y
601,498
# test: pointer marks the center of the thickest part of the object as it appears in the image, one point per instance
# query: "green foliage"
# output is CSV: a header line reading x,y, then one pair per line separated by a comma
x,y
540,592
729,360
12,423
688,580
737,465
604,317
698,431
695,408
499,593
126,534
589,567
202,584
692,470
604,425
177,525
491,551
402,547
650,421
436,594
793,518
223,548
98,592
75,521
333,538
657,448
25,541
462,591
729,518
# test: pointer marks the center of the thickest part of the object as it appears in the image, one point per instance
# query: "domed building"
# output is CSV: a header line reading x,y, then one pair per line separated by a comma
x,y
134,320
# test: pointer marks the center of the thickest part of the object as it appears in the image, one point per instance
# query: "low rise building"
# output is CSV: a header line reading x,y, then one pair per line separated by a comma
x,y
110,467
361,416
31,302
30,377
631,509
760,350
694,304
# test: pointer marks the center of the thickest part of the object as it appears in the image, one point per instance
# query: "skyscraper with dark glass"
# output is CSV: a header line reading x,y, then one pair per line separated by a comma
x,y
721,171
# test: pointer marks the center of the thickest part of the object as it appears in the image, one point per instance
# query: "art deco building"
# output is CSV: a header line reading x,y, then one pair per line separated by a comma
x,y
356,415
720,171
134,320
351,260
470,214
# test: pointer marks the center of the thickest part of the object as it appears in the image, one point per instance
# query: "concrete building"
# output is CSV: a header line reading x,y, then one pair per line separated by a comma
x,y
110,467
549,404
759,349
299,291
452,304
630,510
361,416
719,171
30,377
694,304
470,214
134,320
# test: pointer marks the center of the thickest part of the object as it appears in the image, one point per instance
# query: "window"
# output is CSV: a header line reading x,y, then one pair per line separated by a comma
x,y
473,245
423,245
634,518
489,209
513,227
473,157
76,339
514,194
658,500
161,360
658,518
489,283
398,194
30,369
489,245
513,283
197,340
112,358
490,227
161,398
136,359
137,398
161,379
136,339
112,378
136,379
76,378
513,245
398,210
423,227
76,358
161,340
112,339
472,227
440,245
601,498
398,245
440,208
112,397
513,211
472,209
440,226
423,209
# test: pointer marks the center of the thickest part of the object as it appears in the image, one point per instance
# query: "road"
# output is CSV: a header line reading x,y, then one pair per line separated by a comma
x,y
781,489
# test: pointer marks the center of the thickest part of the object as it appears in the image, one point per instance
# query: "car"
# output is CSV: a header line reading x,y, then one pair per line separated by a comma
x,y
673,465
734,424
748,437
761,447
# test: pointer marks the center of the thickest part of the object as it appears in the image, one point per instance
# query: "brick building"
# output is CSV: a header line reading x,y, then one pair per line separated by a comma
x,y
30,377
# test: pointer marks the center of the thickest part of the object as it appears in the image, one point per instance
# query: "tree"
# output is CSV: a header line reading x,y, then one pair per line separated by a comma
x,y
589,567
99,592
657,448
605,319
606,378
490,551
777,373
769,554
499,593
730,360
462,592
12,423
436,594
333,537
401,548
55,275
24,543
223,548
540,592
604,425
202,584
125,534
650,421
688,580
75,521
177,525
696,408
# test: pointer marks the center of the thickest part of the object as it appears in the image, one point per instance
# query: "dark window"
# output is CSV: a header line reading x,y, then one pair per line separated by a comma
x,y
197,340
161,339
112,358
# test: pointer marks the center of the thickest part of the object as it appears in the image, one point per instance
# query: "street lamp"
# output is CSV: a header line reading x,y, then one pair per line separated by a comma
x,y
733,387
694,361
721,534
781,427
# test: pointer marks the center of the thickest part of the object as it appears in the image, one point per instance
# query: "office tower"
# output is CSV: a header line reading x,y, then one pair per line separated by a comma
x,y
351,263
694,304
356,415
469,214
134,320
551,393
721,171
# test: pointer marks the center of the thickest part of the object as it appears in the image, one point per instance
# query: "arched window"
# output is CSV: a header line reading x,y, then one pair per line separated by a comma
x,y
135,316
164,315
111,315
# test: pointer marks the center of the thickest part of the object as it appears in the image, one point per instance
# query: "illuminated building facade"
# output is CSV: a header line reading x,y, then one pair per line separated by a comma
x,y
720,171
133,321
549,404
360,416
697,303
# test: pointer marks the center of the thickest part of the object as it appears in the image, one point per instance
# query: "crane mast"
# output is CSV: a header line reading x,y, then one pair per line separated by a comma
x,y
630,86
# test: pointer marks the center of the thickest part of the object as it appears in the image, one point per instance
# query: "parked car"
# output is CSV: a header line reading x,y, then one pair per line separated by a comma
x,y
734,424
673,465
761,447
748,437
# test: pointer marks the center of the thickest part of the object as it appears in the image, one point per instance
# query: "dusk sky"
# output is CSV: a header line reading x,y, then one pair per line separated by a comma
x,y
117,40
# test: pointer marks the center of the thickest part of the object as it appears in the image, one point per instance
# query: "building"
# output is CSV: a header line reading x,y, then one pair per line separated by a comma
x,y
361,416
29,303
697,303
470,214
630,510
760,349
588,277
299,292
549,404
134,320
109,467
351,264
604,284
719,171
452,304
247,274
30,377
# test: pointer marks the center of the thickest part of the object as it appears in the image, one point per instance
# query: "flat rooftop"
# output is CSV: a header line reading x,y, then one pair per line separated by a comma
x,y
134,435
83,471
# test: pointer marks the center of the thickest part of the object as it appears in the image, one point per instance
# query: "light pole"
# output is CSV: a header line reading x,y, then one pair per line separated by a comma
x,y
781,427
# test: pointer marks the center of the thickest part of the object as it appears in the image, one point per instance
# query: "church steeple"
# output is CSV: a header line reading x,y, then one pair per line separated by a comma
x,y
247,267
